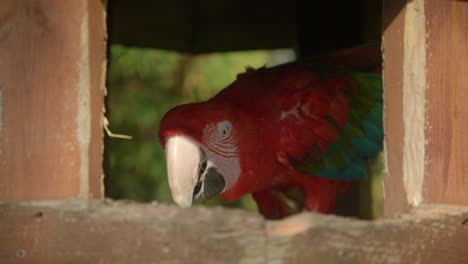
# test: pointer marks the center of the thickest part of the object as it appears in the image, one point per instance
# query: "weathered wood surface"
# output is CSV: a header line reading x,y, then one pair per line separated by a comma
x,y
91,231
426,103
52,77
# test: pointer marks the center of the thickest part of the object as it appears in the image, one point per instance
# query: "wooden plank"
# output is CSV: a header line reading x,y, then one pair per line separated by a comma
x,y
393,54
426,59
51,77
446,178
90,231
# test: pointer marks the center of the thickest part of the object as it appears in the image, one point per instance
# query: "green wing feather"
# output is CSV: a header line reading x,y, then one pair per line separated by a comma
x,y
359,140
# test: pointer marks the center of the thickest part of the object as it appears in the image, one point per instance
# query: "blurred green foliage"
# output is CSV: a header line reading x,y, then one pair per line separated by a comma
x,y
376,174
143,85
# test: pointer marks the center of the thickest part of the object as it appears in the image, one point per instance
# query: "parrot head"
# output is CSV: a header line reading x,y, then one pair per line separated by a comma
x,y
201,144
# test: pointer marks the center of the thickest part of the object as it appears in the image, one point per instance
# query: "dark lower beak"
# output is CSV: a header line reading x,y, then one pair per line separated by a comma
x,y
209,185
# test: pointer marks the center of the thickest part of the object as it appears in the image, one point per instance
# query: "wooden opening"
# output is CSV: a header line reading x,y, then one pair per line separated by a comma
x,y
52,68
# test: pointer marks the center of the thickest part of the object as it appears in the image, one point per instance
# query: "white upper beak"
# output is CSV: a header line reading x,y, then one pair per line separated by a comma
x,y
183,157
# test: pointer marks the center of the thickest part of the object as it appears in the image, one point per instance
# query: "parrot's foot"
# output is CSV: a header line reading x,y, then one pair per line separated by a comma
x,y
321,194
313,194
276,204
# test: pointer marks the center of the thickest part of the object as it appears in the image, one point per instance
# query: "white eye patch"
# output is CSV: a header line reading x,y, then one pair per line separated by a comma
x,y
224,129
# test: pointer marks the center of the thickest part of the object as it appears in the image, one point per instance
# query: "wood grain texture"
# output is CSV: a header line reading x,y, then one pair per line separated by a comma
x,y
393,56
52,102
89,231
434,99
446,179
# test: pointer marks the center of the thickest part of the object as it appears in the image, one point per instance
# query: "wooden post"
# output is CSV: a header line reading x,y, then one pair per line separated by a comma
x,y
426,103
52,77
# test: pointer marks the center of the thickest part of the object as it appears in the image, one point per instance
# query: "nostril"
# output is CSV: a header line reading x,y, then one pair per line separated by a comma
x,y
202,168
196,190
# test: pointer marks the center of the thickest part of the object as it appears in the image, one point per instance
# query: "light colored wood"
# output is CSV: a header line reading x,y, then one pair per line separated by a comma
x,y
51,79
414,104
90,231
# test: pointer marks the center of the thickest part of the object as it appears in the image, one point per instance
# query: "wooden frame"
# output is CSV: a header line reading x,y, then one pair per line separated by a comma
x,y
52,77
52,69
425,59
81,231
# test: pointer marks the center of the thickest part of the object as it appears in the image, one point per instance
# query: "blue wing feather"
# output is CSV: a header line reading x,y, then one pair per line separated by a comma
x,y
360,139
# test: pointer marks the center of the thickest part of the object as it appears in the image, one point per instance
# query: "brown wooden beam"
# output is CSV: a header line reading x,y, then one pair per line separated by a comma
x,y
52,75
425,81
393,54
90,231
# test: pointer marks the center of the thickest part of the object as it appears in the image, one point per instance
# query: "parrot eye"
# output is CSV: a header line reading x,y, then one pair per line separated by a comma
x,y
224,129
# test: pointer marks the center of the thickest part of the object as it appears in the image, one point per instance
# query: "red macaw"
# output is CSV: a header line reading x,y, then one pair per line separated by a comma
x,y
294,133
